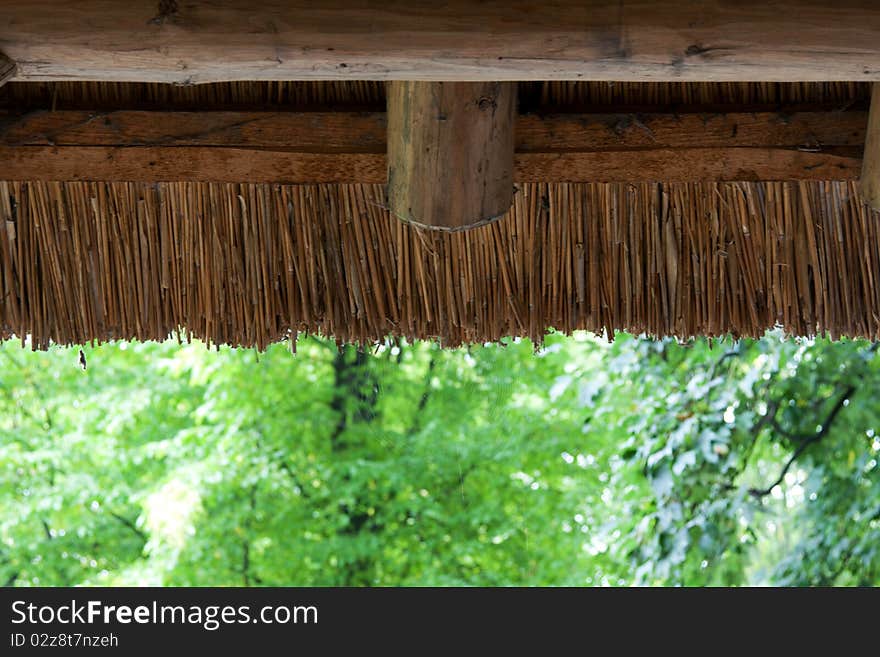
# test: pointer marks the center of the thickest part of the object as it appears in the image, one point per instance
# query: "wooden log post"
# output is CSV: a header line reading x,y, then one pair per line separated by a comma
x,y
450,152
7,69
870,182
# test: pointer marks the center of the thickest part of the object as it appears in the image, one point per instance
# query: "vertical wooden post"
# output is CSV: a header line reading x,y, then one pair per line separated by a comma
x,y
450,152
7,68
870,183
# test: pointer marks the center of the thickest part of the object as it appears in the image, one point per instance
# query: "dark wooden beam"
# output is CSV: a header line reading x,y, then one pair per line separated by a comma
x,y
629,40
365,132
193,146
291,147
315,132
870,180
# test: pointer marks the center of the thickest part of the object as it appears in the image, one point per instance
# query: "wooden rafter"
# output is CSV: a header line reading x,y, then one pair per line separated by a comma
x,y
322,147
630,40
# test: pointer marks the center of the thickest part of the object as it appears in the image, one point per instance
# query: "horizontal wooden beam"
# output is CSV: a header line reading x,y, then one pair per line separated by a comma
x,y
365,132
630,40
323,147
310,132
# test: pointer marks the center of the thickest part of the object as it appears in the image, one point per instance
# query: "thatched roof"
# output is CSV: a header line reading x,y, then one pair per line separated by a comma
x,y
246,264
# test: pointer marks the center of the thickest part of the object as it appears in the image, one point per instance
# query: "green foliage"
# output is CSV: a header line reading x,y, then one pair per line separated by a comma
x,y
584,463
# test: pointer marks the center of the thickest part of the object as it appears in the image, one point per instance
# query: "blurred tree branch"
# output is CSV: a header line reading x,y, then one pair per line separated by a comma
x,y
805,440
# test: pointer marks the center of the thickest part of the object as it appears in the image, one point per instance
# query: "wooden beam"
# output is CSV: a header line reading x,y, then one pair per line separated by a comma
x,y
199,164
365,132
316,132
450,152
7,69
629,40
323,147
870,180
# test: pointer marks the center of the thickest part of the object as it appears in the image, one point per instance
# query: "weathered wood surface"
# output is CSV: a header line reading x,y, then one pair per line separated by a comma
x,y
450,152
350,147
630,40
870,179
7,69
366,131
324,132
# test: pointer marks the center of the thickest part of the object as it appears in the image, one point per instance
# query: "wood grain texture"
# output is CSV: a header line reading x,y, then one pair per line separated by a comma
x,y
197,164
870,179
688,165
219,164
350,147
7,69
450,152
319,132
630,40
355,132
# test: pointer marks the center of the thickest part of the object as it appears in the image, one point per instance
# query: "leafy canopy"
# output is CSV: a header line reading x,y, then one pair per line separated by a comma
x,y
584,463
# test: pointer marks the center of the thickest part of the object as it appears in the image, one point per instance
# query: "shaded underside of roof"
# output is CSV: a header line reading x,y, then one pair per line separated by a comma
x,y
533,96
247,264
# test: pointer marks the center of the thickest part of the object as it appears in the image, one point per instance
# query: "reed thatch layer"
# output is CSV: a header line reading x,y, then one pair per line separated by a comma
x,y
247,264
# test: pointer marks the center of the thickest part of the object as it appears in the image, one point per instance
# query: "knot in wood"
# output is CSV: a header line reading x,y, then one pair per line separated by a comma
x,y
487,102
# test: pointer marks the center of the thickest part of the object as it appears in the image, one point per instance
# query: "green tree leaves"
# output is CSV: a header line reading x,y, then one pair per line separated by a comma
x,y
638,461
